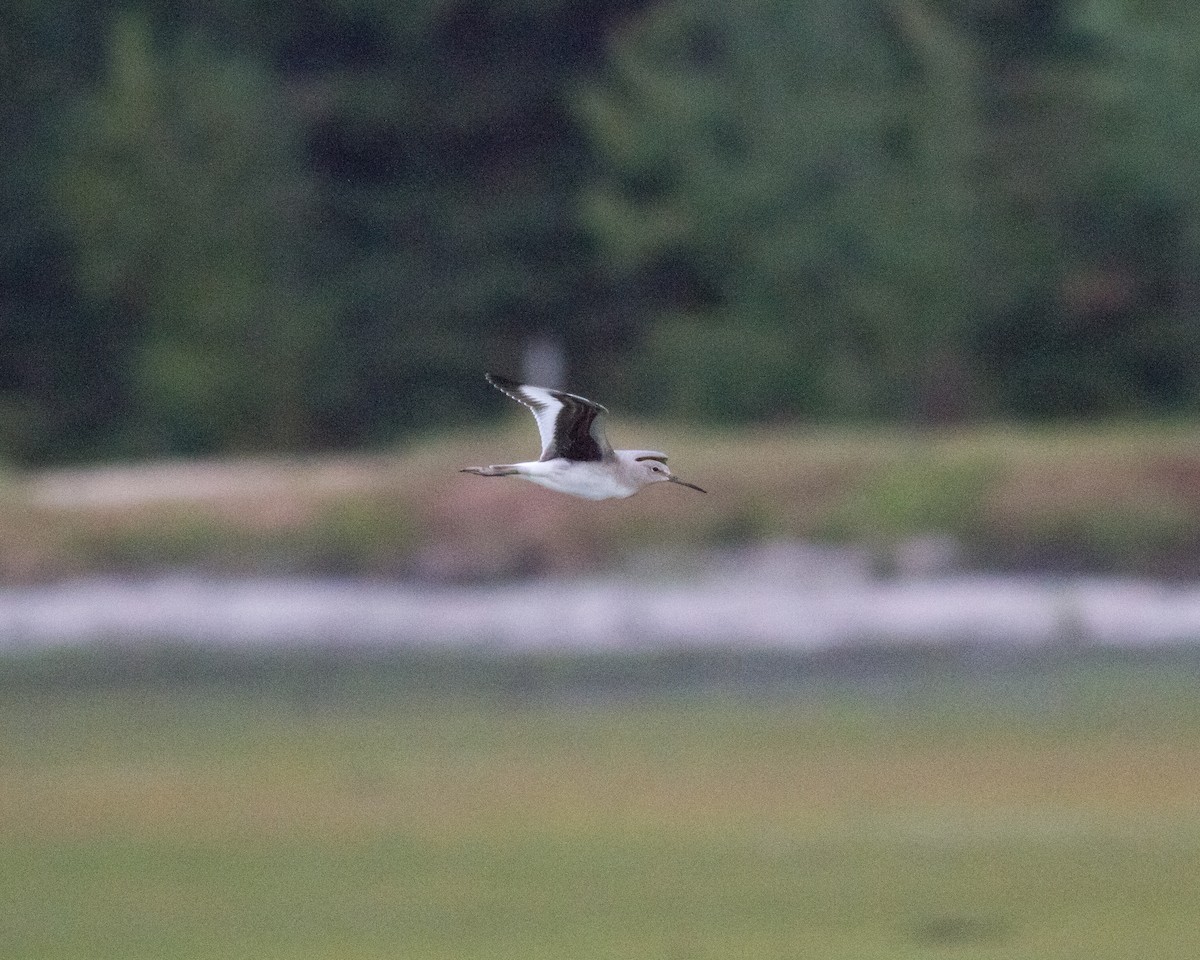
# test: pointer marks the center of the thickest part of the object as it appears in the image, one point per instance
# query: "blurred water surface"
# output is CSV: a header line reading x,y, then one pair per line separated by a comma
x,y
785,597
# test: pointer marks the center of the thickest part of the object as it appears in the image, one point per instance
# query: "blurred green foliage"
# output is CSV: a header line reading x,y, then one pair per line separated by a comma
x,y
189,218
240,226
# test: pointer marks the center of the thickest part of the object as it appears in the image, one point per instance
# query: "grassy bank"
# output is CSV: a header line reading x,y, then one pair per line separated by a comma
x,y
287,813
1101,497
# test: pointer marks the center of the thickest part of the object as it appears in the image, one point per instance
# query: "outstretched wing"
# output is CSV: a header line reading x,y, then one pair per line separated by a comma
x,y
571,427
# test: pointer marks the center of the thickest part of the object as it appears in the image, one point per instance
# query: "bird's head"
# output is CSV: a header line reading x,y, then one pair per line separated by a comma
x,y
653,469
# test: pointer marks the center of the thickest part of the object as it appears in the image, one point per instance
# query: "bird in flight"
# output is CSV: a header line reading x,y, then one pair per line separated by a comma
x,y
577,458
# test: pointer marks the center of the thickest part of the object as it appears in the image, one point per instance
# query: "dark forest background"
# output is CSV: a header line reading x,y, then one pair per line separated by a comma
x,y
253,224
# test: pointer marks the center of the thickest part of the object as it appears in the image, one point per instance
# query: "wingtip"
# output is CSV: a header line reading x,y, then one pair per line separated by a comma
x,y
504,384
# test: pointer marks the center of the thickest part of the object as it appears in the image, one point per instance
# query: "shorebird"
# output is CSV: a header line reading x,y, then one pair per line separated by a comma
x,y
576,456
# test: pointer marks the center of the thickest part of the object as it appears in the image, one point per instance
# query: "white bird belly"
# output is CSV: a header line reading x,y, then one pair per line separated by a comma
x,y
580,478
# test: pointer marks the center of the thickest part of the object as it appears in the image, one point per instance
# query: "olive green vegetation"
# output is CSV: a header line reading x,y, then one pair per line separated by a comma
x,y
241,226
280,808
1117,497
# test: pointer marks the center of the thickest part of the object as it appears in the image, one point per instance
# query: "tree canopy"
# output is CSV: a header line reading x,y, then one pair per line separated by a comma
x,y
236,226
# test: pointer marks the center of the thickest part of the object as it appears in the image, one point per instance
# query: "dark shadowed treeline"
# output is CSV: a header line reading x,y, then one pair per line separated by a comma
x,y
246,225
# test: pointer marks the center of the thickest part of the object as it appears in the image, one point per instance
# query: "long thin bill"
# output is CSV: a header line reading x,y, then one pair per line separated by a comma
x,y
684,483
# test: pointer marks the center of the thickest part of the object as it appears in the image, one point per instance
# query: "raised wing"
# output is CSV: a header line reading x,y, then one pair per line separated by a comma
x,y
571,427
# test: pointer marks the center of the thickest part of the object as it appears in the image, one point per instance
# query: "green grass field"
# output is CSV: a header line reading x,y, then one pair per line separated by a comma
x,y
1041,811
